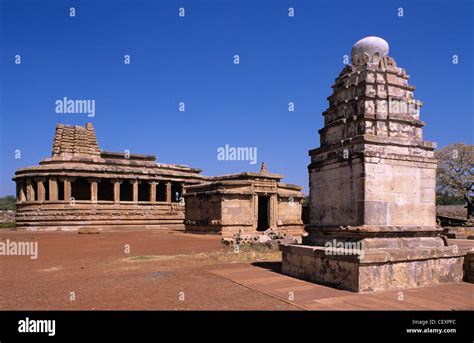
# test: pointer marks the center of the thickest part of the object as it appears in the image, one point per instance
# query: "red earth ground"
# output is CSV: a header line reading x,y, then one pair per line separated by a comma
x,y
164,270
172,270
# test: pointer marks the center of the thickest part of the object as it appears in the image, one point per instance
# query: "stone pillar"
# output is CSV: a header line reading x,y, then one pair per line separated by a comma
x,y
183,192
67,189
135,190
272,210
53,189
40,189
30,190
94,190
117,191
153,191
168,192
21,190
255,210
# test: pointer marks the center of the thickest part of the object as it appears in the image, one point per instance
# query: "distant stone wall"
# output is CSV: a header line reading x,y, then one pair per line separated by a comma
x,y
451,211
7,216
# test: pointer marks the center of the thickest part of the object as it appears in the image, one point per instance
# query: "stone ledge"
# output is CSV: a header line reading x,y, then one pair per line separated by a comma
x,y
378,270
373,256
366,229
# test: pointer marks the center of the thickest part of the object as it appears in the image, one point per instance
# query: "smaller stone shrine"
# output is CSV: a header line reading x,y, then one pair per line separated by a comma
x,y
246,202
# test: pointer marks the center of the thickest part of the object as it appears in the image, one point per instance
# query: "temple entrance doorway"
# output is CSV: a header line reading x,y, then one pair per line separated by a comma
x,y
263,211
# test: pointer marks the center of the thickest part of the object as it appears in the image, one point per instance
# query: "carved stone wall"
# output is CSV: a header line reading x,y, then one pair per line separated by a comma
x,y
229,204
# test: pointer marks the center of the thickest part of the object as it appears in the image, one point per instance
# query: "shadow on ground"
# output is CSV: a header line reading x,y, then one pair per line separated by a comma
x,y
273,266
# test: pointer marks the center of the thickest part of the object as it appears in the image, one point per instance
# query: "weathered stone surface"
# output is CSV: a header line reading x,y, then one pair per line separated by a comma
x,y
377,270
372,186
80,185
230,204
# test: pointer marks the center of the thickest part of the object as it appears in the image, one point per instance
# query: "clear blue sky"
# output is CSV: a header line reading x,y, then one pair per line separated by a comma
x,y
190,59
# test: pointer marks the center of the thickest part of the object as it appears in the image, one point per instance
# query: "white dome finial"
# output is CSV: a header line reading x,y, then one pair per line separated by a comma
x,y
367,47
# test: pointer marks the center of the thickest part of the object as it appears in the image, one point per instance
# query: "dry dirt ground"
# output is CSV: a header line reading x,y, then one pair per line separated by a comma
x,y
164,270
172,270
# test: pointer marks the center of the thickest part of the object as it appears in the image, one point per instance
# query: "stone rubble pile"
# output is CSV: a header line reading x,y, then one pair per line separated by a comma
x,y
270,238
7,216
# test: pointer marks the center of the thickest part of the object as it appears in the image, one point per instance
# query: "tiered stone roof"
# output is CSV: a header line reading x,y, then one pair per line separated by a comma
x,y
75,140
373,104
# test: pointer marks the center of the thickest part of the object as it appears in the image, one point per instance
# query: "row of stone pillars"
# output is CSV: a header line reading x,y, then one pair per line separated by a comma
x,y
26,190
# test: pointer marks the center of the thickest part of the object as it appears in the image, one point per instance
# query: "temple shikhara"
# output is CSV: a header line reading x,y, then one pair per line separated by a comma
x,y
81,186
372,186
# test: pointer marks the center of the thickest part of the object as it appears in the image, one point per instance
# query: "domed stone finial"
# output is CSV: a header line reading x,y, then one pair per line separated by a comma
x,y
367,48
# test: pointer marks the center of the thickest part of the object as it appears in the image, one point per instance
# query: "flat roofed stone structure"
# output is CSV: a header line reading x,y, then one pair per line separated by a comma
x,y
80,185
245,202
372,186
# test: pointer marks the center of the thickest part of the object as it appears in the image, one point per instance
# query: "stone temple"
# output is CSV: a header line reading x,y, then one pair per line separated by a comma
x,y
81,186
372,186
244,203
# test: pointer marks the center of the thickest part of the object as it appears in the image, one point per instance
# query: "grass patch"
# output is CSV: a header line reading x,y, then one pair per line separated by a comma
x,y
225,255
143,258
9,225
246,254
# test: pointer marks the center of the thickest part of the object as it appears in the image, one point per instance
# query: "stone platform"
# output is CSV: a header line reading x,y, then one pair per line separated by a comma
x,y
370,270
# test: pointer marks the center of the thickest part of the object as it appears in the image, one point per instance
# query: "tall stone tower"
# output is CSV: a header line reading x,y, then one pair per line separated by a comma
x,y
372,186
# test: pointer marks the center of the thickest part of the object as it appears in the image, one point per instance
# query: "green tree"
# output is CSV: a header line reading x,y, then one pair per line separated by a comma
x,y
455,175
7,202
